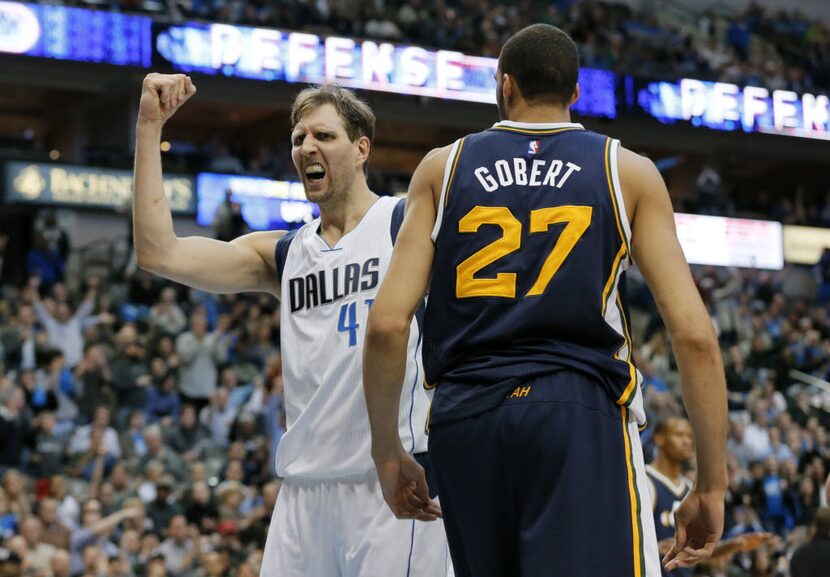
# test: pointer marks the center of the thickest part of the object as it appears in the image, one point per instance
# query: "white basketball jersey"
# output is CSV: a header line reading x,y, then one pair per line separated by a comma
x,y
326,296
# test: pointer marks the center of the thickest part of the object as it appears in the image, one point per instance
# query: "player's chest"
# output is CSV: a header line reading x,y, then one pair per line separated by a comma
x,y
316,280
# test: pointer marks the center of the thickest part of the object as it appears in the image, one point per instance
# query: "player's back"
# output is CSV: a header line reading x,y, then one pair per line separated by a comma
x,y
532,240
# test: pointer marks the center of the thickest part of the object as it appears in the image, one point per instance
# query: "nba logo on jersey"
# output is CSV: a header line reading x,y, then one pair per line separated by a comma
x,y
533,147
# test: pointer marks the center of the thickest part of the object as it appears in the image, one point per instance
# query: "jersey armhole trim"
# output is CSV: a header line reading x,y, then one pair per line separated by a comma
x,y
616,190
397,219
281,252
449,174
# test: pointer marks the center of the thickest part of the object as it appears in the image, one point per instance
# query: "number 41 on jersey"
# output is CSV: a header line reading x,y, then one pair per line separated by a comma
x,y
348,320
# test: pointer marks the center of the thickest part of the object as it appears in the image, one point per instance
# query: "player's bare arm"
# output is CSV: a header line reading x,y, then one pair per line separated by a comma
x,y
657,252
402,479
245,264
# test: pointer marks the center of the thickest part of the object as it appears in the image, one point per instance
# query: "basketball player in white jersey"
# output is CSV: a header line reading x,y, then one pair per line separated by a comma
x,y
330,519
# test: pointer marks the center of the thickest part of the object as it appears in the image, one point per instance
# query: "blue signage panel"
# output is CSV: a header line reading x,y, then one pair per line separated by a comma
x,y
75,34
265,204
84,186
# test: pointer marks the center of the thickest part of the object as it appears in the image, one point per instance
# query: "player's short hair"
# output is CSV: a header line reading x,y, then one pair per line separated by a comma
x,y
544,62
357,116
663,425
822,521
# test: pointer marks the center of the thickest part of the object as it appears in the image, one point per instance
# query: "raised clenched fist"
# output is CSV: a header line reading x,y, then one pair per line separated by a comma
x,y
162,95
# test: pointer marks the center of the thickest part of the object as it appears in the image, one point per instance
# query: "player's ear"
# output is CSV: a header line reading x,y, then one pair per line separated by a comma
x,y
364,147
574,96
508,88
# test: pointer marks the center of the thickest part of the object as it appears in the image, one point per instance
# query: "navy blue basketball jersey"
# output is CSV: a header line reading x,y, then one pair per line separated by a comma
x,y
666,499
532,241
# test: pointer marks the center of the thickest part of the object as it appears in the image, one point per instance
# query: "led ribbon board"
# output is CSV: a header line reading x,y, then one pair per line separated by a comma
x,y
265,204
268,54
740,242
724,106
75,34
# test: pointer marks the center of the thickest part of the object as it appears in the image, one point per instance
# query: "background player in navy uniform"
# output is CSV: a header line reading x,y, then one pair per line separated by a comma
x,y
669,485
520,235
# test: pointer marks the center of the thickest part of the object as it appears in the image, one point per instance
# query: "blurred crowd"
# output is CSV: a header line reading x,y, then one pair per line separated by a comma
x,y
759,46
775,337
138,424
139,419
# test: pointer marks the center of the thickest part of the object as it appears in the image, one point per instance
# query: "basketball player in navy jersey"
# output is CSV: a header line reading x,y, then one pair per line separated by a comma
x,y
667,483
520,235
668,486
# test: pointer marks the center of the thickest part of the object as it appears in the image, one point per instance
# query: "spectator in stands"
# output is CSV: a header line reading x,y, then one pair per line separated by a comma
x,y
238,395
780,451
130,377
14,426
178,548
13,499
95,533
64,328
166,316
822,274
11,564
48,447
187,436
40,554
756,436
163,401
164,507
142,293
129,546
46,264
200,508
55,236
222,160
212,564
82,439
218,417
4,241
122,484
19,340
69,510
200,352
131,438
93,381
61,563
255,525
223,226
165,348
55,533
56,379
157,451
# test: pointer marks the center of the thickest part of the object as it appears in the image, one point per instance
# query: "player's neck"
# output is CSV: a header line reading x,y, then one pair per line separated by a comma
x,y
671,469
537,114
338,217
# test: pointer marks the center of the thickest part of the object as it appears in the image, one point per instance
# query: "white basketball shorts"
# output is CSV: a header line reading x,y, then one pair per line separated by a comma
x,y
343,528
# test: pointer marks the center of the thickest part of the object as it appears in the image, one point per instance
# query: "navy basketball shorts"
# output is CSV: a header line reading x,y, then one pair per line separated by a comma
x,y
551,483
